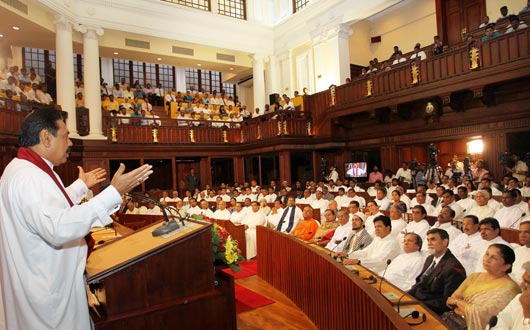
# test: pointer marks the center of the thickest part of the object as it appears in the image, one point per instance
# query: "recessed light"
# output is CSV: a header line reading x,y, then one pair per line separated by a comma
x,y
199,64
16,28
231,69
1,35
115,53
159,58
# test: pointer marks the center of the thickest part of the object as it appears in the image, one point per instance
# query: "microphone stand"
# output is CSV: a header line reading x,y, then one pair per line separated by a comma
x,y
168,225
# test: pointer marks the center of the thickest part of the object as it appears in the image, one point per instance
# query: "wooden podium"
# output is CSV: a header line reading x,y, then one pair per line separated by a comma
x,y
146,282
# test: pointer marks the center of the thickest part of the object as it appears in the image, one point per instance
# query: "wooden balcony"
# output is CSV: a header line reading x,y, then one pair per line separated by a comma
x,y
189,131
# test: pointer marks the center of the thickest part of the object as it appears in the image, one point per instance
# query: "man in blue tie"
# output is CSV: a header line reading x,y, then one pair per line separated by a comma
x,y
290,217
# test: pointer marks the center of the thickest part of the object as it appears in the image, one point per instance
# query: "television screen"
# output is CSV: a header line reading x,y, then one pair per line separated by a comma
x,y
355,170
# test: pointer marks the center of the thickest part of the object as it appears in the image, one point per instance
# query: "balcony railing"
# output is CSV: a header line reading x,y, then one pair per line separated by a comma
x,y
279,124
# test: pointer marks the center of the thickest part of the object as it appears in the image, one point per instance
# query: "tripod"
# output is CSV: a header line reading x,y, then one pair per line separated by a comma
x,y
432,173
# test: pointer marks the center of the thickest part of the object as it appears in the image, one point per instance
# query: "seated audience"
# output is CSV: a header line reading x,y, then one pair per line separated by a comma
x,y
504,13
485,21
418,53
463,245
418,225
396,216
510,214
341,233
290,217
371,214
522,253
383,247
490,232
441,275
221,212
483,295
490,33
515,24
307,227
516,315
526,8
328,225
404,269
398,59
358,239
438,46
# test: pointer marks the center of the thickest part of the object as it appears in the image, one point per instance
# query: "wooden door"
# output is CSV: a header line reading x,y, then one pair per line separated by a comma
x,y
457,16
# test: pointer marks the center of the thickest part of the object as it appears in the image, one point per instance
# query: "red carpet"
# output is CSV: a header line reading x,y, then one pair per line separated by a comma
x,y
248,268
247,299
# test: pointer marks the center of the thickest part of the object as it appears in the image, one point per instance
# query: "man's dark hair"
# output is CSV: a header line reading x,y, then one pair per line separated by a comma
x,y
356,203
449,191
512,193
473,217
35,122
453,213
384,219
421,208
491,221
419,241
440,232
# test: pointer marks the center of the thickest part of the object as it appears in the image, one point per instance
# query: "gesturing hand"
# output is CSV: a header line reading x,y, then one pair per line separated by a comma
x,y
126,182
93,177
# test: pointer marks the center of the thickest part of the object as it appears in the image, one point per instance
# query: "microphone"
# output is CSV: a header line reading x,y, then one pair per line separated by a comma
x,y
388,262
337,243
371,278
492,322
415,315
168,225
516,221
399,301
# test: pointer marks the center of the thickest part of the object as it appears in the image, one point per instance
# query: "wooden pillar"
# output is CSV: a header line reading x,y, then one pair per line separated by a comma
x,y
285,166
205,175
495,143
239,169
389,158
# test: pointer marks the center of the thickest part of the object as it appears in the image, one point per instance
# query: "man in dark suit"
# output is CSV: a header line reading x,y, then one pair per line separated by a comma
x,y
441,275
283,197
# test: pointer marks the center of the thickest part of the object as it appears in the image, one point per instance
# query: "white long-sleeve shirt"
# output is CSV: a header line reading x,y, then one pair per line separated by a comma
x,y
339,238
404,269
40,234
462,248
377,253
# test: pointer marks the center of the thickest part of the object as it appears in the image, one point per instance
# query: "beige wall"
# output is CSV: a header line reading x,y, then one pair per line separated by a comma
x,y
403,25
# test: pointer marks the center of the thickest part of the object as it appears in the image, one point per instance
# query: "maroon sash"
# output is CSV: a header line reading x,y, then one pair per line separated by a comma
x,y
32,157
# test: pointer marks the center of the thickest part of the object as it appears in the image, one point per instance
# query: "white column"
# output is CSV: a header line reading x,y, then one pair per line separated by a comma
x,y
258,81
338,49
274,75
92,79
180,80
64,66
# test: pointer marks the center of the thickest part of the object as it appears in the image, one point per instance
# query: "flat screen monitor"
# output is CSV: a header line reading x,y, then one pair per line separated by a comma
x,y
355,170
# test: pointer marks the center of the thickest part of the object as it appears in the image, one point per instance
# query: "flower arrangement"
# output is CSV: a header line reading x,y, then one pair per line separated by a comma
x,y
225,249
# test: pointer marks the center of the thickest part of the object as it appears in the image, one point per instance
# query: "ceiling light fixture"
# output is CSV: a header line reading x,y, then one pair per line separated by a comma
x,y
199,64
1,35
115,53
159,59
231,69
16,28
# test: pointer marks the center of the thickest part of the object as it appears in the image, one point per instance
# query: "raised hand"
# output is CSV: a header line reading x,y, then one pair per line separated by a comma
x,y
93,177
125,182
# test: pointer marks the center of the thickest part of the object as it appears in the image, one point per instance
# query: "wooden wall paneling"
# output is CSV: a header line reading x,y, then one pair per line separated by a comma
x,y
285,166
205,174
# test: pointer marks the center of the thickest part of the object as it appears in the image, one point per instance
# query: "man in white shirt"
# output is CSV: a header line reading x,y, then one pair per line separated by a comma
x,y
358,239
193,207
221,212
465,202
238,214
253,219
490,232
352,196
486,182
290,217
398,224
353,186
445,222
381,199
522,253
320,203
516,315
418,225
341,234
421,199
449,200
341,198
482,210
406,267
306,199
404,173
384,246
510,214
418,53
462,246
373,212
